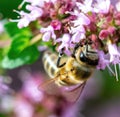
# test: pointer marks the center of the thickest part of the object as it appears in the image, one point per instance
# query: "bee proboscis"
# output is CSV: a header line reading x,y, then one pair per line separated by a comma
x,y
69,73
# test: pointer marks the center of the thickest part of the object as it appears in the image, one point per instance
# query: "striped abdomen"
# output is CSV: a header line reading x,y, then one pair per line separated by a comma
x,y
49,61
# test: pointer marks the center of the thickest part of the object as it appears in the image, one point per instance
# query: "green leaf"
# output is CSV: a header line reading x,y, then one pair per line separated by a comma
x,y
12,29
3,115
27,56
18,44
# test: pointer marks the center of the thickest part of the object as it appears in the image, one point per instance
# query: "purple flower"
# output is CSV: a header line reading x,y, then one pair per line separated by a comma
x,y
39,3
24,21
48,33
65,43
36,12
82,19
114,53
78,30
103,62
86,6
26,18
78,34
102,6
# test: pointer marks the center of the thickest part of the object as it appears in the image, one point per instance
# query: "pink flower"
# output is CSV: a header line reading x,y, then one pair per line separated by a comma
x,y
24,22
56,24
86,6
103,62
78,34
30,89
82,19
78,29
39,3
103,34
36,12
65,43
25,19
114,54
111,30
102,6
48,33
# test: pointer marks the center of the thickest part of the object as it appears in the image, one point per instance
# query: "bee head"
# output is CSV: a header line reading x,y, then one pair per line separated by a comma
x,y
87,56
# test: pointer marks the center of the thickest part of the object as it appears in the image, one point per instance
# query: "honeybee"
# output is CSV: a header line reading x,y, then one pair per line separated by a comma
x,y
69,73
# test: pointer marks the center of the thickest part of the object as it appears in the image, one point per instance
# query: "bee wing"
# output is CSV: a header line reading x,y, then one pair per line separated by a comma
x,y
73,93
50,87
70,93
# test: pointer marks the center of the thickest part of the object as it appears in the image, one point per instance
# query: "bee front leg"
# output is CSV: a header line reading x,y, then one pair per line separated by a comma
x,y
59,59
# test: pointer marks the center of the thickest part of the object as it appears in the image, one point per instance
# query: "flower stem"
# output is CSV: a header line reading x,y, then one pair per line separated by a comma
x,y
36,39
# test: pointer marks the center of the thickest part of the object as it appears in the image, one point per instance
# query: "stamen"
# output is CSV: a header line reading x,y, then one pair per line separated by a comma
x,y
16,11
14,20
20,6
111,70
116,72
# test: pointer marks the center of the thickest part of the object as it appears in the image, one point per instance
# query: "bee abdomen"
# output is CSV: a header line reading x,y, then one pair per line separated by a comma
x,y
49,61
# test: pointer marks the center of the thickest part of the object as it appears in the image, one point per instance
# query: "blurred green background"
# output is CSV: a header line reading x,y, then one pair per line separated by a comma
x,y
7,6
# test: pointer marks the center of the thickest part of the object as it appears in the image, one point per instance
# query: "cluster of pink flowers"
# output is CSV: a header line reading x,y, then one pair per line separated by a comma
x,y
67,22
30,101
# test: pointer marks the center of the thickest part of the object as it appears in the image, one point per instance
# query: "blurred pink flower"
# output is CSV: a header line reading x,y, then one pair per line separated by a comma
x,y
3,87
31,91
23,108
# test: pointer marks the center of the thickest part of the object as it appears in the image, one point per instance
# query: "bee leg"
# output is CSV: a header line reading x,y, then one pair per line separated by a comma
x,y
58,61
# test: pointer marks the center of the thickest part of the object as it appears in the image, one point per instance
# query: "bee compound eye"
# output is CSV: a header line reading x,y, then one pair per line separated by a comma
x,y
82,57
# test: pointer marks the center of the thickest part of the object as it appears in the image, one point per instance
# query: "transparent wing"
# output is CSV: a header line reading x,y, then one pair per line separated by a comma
x,y
70,93
73,93
50,87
